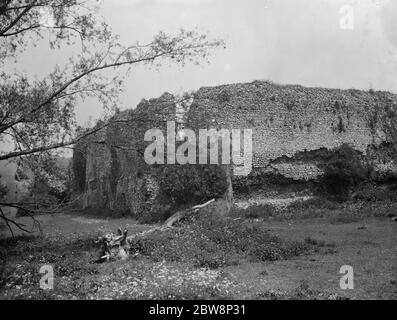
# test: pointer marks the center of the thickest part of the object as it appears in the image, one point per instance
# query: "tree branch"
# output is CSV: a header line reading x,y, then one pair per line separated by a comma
x,y
75,79
15,21
50,147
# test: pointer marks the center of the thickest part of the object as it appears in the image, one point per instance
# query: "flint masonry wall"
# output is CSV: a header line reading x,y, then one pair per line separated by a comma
x,y
288,122
291,119
109,167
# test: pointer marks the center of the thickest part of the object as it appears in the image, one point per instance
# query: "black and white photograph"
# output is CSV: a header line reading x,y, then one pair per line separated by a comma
x,y
208,151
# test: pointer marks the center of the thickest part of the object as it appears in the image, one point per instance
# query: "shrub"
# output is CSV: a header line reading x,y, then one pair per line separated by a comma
x,y
314,242
320,243
210,241
342,171
224,96
192,184
313,203
157,213
374,193
262,211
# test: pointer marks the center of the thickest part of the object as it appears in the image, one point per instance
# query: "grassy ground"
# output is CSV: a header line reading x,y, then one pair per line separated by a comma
x,y
269,258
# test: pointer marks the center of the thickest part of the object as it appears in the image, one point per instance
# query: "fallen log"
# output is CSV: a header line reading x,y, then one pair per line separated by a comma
x,y
181,214
117,246
114,246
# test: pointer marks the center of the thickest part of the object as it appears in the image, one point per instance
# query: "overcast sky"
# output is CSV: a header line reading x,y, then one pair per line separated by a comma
x,y
285,41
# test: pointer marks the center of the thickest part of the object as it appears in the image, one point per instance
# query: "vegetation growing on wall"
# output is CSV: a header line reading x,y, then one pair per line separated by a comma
x,y
3,190
192,184
114,170
79,168
343,171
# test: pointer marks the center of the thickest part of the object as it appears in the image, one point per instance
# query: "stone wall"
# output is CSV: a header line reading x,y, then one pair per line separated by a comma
x,y
290,119
116,176
291,126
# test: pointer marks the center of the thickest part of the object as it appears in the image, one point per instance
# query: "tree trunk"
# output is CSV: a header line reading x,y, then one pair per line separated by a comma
x,y
228,196
117,246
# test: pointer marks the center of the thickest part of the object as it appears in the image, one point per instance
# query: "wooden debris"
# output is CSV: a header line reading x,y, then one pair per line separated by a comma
x,y
117,247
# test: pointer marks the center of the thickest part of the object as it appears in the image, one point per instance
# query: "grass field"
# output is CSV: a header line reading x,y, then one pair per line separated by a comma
x,y
171,266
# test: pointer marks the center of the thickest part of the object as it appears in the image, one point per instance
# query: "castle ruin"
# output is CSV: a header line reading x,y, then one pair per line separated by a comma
x,y
290,124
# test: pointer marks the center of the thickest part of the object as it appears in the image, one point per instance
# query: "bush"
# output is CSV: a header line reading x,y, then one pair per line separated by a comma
x,y
342,171
313,203
262,211
320,243
374,193
210,241
192,184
